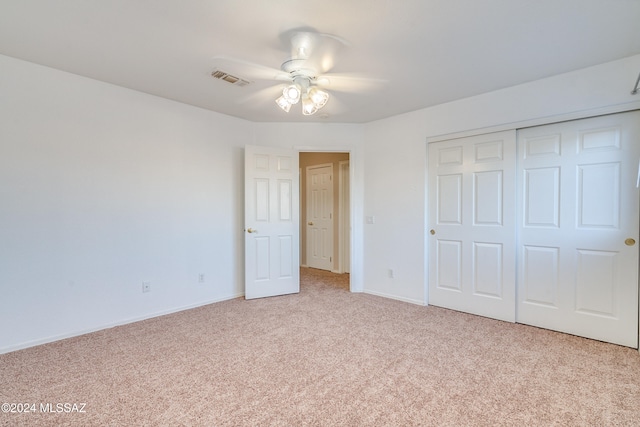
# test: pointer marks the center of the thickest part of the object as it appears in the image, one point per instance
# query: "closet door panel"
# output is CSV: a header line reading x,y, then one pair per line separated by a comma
x,y
577,211
472,223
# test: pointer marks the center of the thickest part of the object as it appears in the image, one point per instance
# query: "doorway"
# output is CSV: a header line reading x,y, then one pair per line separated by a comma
x,y
336,163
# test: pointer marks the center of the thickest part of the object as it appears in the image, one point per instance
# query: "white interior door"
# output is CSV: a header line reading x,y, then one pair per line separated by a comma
x,y
472,222
272,248
320,217
577,206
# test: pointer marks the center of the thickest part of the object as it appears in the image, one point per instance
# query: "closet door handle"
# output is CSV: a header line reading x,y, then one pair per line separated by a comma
x,y
432,231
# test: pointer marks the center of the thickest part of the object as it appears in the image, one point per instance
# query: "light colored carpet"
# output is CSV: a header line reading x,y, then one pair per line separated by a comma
x,y
324,357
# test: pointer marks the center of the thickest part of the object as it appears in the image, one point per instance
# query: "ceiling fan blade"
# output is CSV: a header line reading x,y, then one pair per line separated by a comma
x,y
349,82
247,69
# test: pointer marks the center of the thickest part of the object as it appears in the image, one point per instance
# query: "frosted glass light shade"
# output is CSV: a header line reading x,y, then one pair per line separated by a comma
x,y
292,94
283,103
318,97
308,107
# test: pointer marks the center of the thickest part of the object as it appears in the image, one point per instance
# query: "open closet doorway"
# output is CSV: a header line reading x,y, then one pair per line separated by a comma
x,y
325,229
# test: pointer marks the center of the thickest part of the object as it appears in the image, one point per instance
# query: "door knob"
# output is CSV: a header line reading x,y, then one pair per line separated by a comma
x,y
630,242
432,231
310,223
251,230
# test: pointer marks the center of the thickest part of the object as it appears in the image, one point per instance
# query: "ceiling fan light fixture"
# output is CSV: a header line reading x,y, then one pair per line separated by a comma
x,y
318,97
291,94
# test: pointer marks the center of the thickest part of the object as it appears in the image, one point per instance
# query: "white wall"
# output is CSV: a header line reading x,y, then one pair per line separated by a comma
x,y
395,159
102,188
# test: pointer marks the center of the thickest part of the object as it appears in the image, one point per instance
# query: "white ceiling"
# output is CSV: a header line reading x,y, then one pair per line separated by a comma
x,y
418,52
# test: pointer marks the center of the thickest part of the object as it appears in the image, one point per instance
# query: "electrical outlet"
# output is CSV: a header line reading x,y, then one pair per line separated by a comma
x,y
201,278
146,287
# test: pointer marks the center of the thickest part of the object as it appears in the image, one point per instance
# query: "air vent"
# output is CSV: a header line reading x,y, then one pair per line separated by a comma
x,y
229,78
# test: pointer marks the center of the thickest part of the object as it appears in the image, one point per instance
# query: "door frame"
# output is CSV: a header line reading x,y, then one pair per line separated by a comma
x,y
356,215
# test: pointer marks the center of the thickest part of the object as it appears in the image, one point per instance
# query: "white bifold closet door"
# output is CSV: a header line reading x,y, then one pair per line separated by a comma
x,y
472,225
549,240
578,226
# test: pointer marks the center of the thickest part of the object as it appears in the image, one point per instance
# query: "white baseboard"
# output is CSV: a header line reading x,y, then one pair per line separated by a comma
x,y
395,297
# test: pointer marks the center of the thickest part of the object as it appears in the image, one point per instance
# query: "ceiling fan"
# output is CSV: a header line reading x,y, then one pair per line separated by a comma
x,y
305,73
